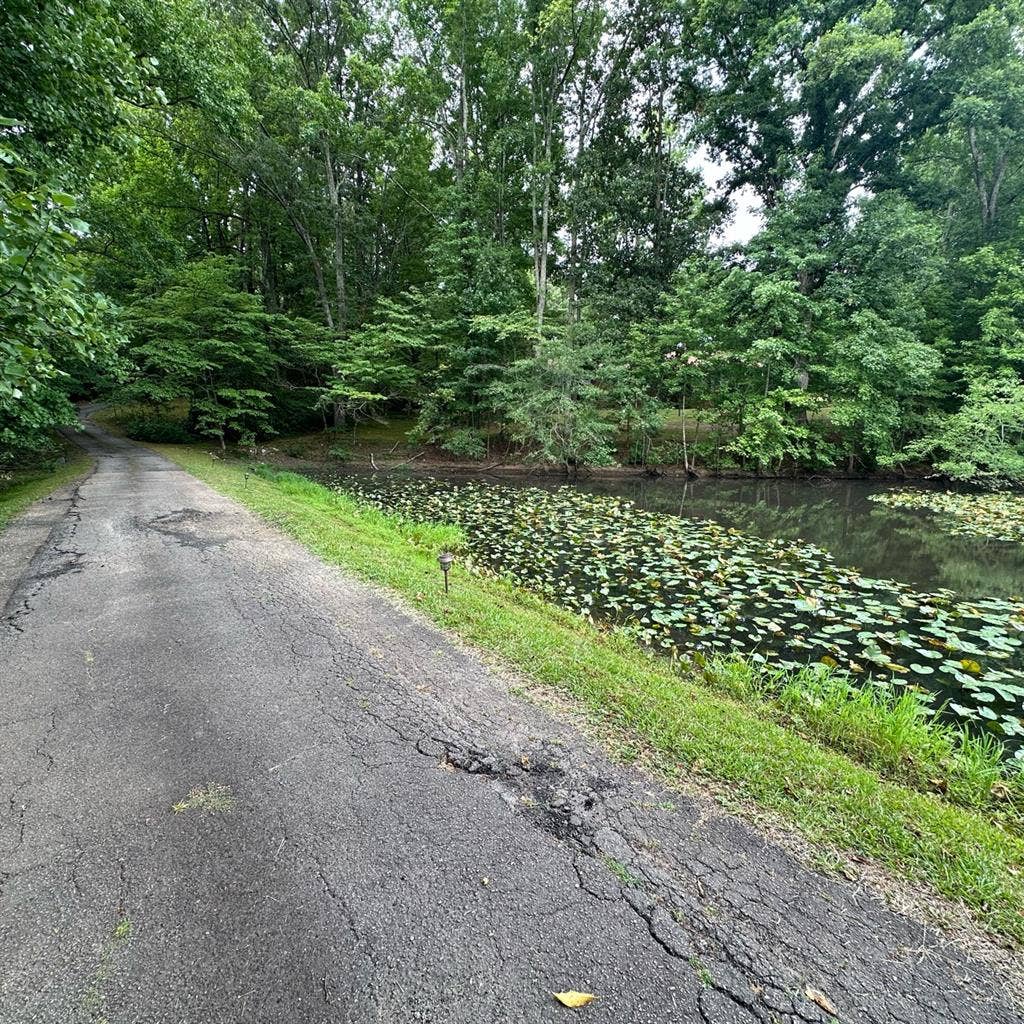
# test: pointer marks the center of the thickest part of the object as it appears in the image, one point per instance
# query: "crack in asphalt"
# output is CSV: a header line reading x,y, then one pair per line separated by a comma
x,y
572,809
41,750
51,561
73,865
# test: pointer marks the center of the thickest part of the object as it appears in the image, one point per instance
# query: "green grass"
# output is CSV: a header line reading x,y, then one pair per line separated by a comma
x,y
891,730
686,725
702,972
622,873
20,487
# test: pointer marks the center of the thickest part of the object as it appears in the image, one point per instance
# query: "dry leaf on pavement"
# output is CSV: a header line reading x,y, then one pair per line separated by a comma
x,y
822,1000
574,999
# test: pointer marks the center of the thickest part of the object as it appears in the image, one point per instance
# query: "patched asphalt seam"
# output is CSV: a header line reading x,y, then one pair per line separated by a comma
x,y
51,560
186,526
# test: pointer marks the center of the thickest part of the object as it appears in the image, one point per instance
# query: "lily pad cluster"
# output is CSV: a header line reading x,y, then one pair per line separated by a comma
x,y
694,585
999,516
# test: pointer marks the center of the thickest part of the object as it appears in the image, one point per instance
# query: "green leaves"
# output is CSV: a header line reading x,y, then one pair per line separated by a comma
x,y
552,401
205,340
49,322
984,440
431,183
242,412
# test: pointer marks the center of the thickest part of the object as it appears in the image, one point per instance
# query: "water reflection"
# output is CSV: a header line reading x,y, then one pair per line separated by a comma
x,y
903,544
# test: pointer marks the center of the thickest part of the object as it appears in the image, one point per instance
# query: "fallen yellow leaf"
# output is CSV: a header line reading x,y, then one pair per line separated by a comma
x,y
822,1000
574,999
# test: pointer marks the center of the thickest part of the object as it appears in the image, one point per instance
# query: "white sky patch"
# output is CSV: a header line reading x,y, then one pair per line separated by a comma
x,y
858,194
747,217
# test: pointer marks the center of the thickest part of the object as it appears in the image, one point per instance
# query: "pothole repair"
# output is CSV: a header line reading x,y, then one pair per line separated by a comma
x,y
187,526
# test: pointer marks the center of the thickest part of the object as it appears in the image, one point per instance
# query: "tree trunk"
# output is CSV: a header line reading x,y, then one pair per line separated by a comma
x,y
341,302
988,194
318,274
686,447
269,273
542,262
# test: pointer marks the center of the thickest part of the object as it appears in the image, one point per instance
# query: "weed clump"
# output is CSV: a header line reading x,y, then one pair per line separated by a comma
x,y
209,799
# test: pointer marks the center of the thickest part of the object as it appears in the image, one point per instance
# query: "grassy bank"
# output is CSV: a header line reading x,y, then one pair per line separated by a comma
x,y
20,487
891,730
689,725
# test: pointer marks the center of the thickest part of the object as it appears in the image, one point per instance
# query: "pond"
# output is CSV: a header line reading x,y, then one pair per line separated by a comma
x,y
912,546
786,572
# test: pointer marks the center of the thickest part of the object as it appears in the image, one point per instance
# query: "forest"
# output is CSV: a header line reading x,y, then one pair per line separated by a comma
x,y
795,228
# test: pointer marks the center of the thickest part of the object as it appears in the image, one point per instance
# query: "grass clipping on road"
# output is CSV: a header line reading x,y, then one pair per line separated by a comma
x,y
20,487
686,725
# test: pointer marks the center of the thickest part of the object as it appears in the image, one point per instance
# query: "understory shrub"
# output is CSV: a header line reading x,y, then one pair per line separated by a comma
x,y
669,453
44,452
465,443
157,430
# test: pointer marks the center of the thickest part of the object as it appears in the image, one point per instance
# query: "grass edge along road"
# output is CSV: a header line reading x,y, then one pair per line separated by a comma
x,y
29,485
687,726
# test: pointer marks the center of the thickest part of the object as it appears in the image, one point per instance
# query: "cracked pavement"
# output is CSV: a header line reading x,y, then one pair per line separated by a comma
x,y
407,839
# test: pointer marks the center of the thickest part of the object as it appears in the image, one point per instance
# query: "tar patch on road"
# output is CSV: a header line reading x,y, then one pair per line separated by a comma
x,y
190,527
564,800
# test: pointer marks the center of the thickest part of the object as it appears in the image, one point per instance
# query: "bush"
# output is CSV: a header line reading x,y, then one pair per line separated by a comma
x,y
339,452
157,430
712,451
40,452
557,402
465,443
669,453
772,431
984,441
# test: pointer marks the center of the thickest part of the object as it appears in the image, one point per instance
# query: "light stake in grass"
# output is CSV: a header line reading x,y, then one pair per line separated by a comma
x,y
445,560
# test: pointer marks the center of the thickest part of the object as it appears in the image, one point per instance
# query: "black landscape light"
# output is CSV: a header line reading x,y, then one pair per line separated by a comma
x,y
445,560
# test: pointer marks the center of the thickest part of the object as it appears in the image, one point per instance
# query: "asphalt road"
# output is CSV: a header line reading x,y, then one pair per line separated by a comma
x,y
378,828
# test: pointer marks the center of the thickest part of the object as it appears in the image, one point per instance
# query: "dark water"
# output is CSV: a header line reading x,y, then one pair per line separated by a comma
x,y
907,545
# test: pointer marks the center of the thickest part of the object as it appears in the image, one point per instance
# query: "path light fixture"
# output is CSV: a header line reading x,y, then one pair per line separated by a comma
x,y
445,560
